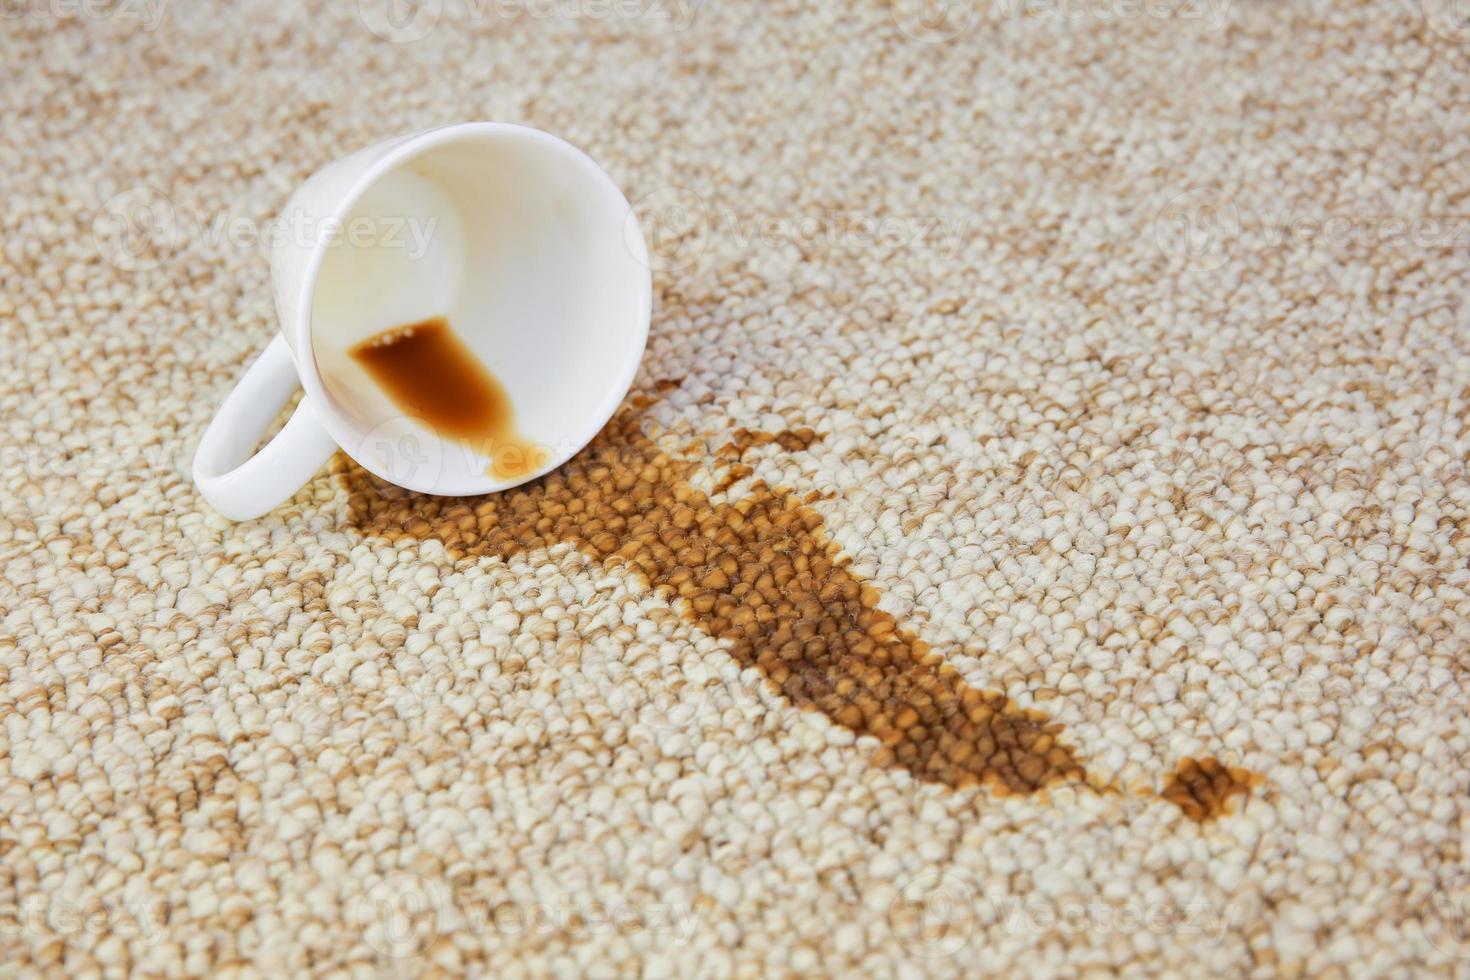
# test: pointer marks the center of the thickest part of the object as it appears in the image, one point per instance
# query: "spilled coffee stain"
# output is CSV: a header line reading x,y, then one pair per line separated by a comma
x,y
431,375
743,440
1204,788
791,440
759,572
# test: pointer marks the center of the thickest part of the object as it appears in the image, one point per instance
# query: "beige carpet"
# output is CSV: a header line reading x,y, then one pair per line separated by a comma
x,y
1038,539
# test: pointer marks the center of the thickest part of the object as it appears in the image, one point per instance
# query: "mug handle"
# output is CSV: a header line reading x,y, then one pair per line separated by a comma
x,y
241,486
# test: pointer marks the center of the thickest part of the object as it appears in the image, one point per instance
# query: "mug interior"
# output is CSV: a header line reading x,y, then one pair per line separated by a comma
x,y
523,245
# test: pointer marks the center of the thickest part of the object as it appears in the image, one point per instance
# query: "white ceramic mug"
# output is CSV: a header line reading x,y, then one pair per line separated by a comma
x,y
519,239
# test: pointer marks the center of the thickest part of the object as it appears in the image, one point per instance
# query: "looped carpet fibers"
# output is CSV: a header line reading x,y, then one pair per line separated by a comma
x,y
1037,540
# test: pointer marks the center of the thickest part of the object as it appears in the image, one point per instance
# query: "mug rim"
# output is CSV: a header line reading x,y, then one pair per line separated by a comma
x,y
395,152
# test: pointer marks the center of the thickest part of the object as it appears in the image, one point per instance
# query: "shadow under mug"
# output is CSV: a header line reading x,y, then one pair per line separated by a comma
x,y
518,239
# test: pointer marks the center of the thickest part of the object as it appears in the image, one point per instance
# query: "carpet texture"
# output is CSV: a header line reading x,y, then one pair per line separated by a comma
x,y
1038,538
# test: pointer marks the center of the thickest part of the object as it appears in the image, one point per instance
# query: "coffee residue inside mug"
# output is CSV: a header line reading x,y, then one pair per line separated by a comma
x,y
431,374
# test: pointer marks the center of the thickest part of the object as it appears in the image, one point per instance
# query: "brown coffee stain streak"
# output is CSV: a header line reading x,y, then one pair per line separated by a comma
x,y
791,440
1205,788
743,440
759,572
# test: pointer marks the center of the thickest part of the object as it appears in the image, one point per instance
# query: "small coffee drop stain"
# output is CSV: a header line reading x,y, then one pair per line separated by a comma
x,y
1204,788
758,572
429,373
